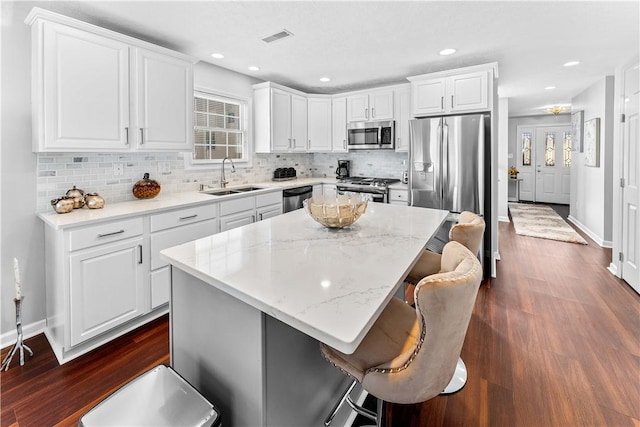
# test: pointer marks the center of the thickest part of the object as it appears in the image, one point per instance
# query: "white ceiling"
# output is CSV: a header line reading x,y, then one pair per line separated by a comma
x,y
362,44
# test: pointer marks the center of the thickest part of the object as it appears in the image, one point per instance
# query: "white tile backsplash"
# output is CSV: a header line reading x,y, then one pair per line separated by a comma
x,y
58,172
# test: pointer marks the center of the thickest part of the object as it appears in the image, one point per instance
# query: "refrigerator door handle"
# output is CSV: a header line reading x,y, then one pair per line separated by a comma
x,y
444,158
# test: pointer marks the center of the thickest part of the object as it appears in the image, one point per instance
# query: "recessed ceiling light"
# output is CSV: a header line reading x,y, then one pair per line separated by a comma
x,y
549,87
448,51
254,68
571,63
217,55
325,79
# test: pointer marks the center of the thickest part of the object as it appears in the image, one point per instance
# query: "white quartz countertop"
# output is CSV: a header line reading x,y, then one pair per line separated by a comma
x,y
330,284
112,211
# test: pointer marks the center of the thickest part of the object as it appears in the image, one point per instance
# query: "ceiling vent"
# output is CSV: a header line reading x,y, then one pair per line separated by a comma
x,y
277,36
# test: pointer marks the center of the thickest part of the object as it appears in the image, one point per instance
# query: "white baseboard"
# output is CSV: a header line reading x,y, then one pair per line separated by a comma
x,y
599,240
503,219
28,331
613,269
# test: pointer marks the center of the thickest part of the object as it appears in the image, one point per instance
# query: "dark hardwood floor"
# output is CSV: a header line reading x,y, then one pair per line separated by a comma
x,y
553,341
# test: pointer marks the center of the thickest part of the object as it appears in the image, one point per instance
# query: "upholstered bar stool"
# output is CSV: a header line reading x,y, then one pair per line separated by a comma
x,y
409,355
469,231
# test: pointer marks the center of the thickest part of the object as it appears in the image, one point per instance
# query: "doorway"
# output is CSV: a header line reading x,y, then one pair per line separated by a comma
x,y
629,255
544,163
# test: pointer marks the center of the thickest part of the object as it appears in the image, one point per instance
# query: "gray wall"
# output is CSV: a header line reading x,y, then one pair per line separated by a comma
x,y
591,187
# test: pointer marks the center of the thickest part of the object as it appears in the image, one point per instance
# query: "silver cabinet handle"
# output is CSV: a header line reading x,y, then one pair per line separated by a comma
x,y
442,102
126,133
141,136
366,113
289,143
182,218
344,143
139,254
373,113
253,218
260,217
451,101
111,234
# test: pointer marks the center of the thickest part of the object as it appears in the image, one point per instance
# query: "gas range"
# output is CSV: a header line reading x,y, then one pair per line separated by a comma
x,y
378,187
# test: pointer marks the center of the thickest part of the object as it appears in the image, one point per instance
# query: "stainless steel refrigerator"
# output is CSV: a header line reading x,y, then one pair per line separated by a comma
x,y
447,169
447,162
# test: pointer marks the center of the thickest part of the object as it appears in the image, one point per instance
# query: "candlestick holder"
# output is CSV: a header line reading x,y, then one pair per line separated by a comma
x,y
19,345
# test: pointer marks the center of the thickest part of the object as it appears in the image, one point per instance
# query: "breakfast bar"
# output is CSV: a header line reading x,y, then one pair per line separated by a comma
x,y
249,306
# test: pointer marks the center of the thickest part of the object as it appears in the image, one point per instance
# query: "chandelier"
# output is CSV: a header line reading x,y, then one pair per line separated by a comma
x,y
557,109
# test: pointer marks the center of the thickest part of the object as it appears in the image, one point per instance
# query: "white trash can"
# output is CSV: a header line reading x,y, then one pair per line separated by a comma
x,y
159,397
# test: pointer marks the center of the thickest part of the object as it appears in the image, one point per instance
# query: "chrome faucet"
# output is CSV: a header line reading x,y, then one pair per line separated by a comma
x,y
223,180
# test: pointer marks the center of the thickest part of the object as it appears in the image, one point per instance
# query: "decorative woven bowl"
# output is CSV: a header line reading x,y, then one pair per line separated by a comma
x,y
337,211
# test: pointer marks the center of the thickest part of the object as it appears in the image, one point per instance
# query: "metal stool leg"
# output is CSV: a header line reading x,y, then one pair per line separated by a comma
x,y
458,380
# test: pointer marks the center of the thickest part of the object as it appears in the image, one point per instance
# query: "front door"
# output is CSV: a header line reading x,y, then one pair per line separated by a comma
x,y
553,164
630,227
544,163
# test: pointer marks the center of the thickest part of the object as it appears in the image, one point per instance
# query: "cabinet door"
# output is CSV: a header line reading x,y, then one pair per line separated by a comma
x,y
339,125
280,121
298,123
84,104
402,109
164,98
236,220
319,124
428,97
381,105
268,212
469,92
106,288
358,108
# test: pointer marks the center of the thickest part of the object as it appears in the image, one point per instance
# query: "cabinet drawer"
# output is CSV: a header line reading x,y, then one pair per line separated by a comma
x,y
180,217
237,205
268,199
176,236
104,233
398,195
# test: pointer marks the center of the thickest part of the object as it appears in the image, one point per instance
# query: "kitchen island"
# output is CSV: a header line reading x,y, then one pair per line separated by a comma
x,y
248,307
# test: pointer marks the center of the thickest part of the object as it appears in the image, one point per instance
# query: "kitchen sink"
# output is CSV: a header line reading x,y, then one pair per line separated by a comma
x,y
221,192
244,189
228,191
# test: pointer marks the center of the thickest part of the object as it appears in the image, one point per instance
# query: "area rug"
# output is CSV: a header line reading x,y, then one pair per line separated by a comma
x,y
543,222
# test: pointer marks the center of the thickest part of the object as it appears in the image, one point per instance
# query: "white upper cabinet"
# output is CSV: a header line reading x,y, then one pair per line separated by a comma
x,y
402,99
280,119
73,110
459,91
299,126
339,125
95,90
164,102
320,132
370,106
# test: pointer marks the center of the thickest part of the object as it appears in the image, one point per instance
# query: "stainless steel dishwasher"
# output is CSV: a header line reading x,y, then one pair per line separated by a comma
x,y
293,197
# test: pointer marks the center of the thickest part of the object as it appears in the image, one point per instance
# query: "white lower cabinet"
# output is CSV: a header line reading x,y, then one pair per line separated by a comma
x,y
107,278
247,210
398,196
106,288
329,190
170,229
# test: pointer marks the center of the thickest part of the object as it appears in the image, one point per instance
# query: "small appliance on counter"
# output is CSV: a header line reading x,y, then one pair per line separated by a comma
x,y
284,174
343,169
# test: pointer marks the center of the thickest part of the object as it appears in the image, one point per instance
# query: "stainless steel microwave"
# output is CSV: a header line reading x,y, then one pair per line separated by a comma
x,y
371,135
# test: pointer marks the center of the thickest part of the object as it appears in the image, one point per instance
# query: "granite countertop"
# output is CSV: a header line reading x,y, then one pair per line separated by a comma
x,y
111,211
330,284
